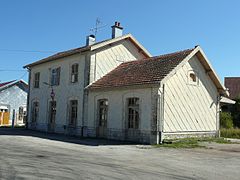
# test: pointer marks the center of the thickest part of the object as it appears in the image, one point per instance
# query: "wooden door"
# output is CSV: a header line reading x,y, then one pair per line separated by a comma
x,y
4,118
52,116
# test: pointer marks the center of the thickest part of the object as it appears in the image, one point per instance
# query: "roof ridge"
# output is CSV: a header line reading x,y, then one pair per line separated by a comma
x,y
160,56
177,52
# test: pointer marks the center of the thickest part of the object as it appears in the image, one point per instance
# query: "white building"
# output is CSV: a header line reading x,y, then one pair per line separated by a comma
x,y
13,102
97,93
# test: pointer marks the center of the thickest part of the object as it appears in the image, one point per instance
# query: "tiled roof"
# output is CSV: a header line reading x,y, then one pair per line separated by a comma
x,y
146,71
233,84
6,83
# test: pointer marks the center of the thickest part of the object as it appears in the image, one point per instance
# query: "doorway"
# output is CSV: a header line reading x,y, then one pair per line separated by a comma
x,y
52,116
102,118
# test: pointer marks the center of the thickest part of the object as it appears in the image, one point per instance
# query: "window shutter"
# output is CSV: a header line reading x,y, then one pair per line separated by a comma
x,y
58,76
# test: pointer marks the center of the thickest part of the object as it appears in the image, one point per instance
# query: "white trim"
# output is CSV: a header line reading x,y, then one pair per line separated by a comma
x,y
226,100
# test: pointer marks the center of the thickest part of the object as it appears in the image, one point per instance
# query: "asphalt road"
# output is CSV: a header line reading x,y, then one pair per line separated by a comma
x,y
33,155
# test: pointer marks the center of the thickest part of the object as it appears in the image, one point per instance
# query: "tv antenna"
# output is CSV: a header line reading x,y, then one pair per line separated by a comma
x,y
98,26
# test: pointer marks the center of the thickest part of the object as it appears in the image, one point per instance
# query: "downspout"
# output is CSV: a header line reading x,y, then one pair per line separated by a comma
x,y
158,116
85,84
28,97
162,114
218,116
95,65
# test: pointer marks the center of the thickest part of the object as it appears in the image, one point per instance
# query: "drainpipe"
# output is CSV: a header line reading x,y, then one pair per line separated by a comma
x,y
28,98
162,114
218,116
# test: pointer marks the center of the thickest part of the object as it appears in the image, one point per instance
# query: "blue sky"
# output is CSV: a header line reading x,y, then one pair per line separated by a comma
x,y
160,26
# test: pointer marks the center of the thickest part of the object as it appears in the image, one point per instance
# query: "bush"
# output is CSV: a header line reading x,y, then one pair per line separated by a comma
x,y
226,120
230,133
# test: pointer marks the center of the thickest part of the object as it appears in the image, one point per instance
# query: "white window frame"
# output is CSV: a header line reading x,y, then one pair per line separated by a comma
x,y
73,120
36,80
190,79
55,76
133,113
102,112
74,73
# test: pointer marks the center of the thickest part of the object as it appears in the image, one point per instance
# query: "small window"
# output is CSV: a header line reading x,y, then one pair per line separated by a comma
x,y
73,112
192,78
36,79
133,113
55,76
35,111
103,111
74,73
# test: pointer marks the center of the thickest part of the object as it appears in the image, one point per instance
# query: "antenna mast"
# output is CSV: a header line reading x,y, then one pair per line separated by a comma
x,y
97,27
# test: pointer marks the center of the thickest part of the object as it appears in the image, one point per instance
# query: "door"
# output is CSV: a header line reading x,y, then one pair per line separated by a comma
x,y
52,116
102,118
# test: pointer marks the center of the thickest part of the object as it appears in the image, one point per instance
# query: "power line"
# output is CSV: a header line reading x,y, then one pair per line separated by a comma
x,y
27,51
12,70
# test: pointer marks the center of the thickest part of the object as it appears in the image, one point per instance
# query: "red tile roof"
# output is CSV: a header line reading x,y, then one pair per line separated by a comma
x,y
146,71
233,84
6,83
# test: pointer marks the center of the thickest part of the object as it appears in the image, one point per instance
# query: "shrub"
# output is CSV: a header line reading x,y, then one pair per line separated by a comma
x,y
230,133
226,120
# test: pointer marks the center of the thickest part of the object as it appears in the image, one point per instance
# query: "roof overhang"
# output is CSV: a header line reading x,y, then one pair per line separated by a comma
x,y
13,83
93,47
225,100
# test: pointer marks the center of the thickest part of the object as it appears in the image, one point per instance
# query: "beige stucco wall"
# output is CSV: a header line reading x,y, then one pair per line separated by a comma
x,y
106,60
117,108
63,93
187,107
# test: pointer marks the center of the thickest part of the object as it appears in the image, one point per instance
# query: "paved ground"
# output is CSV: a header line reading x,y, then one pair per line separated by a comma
x,y
33,155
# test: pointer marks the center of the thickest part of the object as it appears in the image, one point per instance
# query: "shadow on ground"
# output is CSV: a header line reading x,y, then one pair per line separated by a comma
x,y
61,137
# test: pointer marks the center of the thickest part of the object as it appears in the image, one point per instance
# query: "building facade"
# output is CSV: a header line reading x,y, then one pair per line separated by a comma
x,y
114,89
13,102
57,98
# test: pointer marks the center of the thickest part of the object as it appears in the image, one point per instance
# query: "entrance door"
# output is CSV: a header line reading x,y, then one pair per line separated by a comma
x,y
52,116
102,118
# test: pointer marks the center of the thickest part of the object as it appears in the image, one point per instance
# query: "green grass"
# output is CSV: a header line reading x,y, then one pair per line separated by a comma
x,y
190,142
230,133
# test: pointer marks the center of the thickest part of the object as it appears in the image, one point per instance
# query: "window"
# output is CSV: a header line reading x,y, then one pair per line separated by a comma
x,y
133,113
73,112
36,79
102,114
74,73
20,113
35,111
55,76
192,78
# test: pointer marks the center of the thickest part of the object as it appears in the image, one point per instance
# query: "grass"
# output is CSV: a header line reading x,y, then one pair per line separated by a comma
x,y
190,142
230,133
